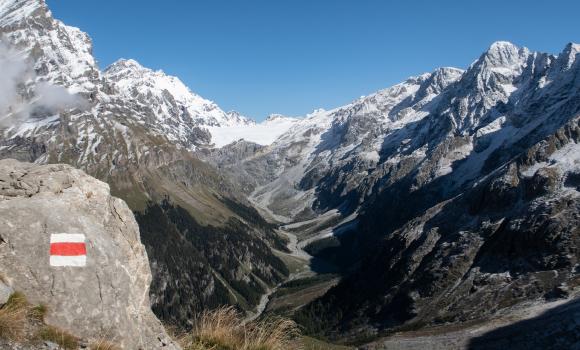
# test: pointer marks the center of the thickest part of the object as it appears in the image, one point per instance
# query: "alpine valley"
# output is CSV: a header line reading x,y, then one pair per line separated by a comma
x,y
442,212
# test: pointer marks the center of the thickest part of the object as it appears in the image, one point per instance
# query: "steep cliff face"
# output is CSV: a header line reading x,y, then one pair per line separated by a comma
x,y
101,296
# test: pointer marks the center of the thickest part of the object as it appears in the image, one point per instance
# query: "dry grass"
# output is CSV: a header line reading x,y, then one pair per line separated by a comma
x,y
18,300
272,334
38,312
66,340
224,329
13,317
21,322
103,345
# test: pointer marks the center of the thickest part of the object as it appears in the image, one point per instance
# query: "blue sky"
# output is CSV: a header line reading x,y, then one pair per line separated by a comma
x,y
293,56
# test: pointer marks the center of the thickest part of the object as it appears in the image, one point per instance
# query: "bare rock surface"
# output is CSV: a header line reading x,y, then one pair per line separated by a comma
x,y
108,298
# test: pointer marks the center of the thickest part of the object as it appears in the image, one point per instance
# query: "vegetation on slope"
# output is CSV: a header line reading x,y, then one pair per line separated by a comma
x,y
225,329
227,265
23,323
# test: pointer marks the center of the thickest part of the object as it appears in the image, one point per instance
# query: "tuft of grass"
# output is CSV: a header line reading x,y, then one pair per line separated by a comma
x,y
66,340
218,327
38,312
18,300
102,344
225,329
273,333
13,317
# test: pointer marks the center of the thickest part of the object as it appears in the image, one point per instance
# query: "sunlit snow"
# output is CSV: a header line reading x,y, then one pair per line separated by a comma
x,y
263,133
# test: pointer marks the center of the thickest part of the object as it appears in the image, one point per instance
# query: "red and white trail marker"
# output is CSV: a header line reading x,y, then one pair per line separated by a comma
x,y
68,249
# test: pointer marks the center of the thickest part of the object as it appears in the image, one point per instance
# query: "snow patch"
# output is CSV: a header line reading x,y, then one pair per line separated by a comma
x,y
264,133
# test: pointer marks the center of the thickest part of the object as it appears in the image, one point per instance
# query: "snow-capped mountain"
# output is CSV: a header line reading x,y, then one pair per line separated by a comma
x,y
62,55
471,207
414,182
448,121
302,161
59,53
135,128
178,112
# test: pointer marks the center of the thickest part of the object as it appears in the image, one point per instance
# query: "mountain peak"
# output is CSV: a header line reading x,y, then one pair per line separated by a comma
x,y
124,64
502,45
16,11
447,73
568,57
504,54
234,113
439,80
236,118
276,116
573,47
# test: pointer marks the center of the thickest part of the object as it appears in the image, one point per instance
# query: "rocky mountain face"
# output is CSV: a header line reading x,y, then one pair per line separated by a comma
x,y
452,190
509,241
107,297
479,212
134,129
426,125
177,113
332,159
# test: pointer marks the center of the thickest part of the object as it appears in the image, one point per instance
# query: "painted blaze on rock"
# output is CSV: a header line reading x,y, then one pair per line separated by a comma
x,y
68,249
47,215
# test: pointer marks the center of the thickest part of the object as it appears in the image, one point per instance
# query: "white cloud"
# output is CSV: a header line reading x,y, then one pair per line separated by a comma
x,y
22,99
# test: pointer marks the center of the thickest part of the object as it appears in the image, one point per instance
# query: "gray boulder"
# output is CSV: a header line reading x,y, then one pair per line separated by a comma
x,y
108,297
5,292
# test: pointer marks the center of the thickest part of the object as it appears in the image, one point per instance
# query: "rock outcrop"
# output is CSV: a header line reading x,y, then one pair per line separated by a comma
x,y
108,298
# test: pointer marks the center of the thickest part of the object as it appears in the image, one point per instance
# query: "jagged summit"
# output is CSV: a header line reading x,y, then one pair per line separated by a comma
x,y
124,63
237,118
17,11
439,80
448,71
277,117
175,100
502,45
569,55
503,54
64,52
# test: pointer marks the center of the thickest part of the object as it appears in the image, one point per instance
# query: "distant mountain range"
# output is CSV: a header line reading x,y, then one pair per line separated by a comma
x,y
449,198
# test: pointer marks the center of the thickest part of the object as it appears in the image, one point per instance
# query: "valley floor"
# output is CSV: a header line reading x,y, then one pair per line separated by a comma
x,y
298,262
303,284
